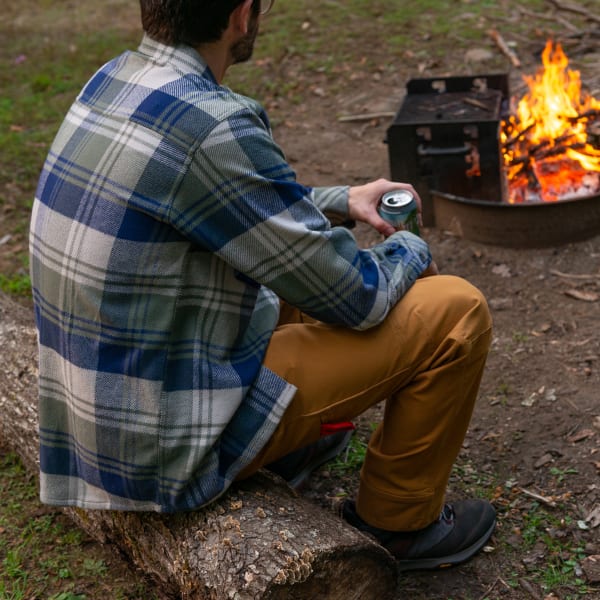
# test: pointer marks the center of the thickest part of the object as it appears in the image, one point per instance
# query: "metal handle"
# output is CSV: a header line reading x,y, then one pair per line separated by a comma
x,y
444,151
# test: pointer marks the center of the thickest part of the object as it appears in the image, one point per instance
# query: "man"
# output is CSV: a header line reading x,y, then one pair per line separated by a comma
x,y
200,318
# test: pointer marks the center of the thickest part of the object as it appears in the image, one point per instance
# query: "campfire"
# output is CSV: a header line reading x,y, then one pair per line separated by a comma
x,y
494,170
550,142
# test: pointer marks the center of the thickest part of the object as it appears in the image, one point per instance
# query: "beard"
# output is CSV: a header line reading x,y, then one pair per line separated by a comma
x,y
242,50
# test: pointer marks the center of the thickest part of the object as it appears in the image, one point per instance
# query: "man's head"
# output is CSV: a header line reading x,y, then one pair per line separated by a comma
x,y
195,22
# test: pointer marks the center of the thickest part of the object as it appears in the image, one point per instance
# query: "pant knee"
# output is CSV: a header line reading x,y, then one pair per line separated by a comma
x,y
450,302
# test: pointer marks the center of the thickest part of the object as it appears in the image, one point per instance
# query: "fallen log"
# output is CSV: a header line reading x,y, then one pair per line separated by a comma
x,y
260,540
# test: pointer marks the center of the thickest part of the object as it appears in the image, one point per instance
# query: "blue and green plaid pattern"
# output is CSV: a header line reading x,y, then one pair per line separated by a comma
x,y
166,226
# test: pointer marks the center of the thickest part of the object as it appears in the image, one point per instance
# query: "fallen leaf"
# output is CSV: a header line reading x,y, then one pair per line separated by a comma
x,y
585,296
591,568
594,517
530,400
584,434
544,460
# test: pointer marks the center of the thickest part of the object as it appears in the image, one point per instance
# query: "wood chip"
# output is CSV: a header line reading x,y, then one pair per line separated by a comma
x,y
584,296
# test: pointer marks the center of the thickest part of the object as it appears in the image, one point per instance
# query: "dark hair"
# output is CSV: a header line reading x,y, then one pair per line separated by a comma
x,y
190,22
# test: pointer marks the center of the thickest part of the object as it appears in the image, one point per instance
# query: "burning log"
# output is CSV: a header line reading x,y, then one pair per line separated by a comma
x,y
517,137
260,540
548,144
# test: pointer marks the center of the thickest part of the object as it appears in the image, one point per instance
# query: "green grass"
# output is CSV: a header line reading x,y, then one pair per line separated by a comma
x,y
18,284
299,45
550,533
351,460
41,85
48,50
38,81
42,555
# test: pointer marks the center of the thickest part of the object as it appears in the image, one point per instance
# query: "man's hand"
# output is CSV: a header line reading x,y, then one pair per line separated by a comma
x,y
364,199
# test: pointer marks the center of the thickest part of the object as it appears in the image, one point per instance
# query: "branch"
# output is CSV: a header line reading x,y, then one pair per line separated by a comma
x,y
551,17
575,8
514,59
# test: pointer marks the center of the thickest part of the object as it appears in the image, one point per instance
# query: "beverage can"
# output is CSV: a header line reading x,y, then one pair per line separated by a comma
x,y
399,208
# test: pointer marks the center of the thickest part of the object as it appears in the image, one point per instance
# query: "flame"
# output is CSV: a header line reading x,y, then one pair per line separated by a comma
x,y
547,148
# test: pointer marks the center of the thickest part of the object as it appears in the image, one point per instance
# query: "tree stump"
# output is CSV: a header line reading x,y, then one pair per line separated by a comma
x,y
260,540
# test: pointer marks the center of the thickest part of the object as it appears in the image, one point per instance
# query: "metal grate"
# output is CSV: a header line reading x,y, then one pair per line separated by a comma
x,y
445,137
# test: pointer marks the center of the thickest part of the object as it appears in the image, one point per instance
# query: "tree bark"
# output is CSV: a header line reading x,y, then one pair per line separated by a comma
x,y
260,540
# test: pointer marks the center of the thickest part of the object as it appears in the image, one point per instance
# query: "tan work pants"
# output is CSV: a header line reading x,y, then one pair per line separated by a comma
x,y
425,361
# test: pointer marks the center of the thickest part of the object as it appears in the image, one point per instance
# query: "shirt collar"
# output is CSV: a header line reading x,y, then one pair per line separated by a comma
x,y
183,58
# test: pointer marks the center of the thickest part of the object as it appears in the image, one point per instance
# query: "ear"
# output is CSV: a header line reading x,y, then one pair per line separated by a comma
x,y
240,17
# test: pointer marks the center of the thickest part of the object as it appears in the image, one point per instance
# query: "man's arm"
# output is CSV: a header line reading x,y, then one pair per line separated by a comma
x,y
241,201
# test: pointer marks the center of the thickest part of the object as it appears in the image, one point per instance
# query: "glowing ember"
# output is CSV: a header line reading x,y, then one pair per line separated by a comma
x,y
548,147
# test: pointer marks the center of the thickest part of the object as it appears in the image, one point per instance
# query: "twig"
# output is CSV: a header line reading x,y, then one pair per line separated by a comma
x,y
539,497
575,275
485,594
514,59
367,116
529,589
551,17
575,8
508,587
477,103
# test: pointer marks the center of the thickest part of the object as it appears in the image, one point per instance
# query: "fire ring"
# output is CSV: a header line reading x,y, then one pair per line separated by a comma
x,y
527,225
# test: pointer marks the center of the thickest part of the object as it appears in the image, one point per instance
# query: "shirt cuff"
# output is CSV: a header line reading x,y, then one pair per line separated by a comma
x,y
404,256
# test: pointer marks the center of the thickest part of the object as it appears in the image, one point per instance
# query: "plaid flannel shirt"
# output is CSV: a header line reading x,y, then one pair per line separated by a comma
x,y
166,226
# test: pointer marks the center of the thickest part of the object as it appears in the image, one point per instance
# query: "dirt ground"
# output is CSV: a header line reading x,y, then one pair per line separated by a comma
x,y
534,442
536,428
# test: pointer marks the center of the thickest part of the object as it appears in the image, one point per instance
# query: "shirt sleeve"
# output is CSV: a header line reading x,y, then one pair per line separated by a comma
x,y
332,199
241,201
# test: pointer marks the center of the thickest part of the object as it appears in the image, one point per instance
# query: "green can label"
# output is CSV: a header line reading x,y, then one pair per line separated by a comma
x,y
399,208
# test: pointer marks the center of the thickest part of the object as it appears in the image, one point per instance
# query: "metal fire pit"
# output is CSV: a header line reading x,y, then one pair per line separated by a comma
x,y
445,127
518,225
442,127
